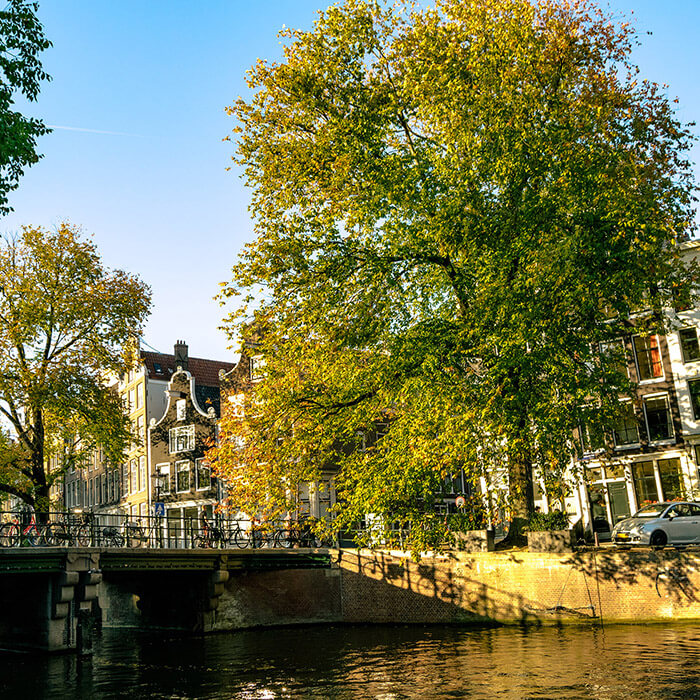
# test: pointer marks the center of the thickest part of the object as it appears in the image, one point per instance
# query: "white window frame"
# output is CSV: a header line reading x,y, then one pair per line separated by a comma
x,y
181,439
661,359
664,441
163,473
142,473
182,466
198,463
257,368
629,445
686,360
604,350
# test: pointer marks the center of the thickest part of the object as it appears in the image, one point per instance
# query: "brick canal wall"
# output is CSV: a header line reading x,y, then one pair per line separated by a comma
x,y
498,587
522,587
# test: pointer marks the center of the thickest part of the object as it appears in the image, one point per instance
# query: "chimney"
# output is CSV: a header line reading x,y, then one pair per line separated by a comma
x,y
181,354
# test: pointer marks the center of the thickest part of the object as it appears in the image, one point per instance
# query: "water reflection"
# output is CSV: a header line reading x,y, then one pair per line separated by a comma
x,y
373,662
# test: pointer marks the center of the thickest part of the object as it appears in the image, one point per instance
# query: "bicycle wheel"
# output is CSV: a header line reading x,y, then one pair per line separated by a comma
x,y
82,536
240,539
135,537
9,535
114,540
283,539
200,542
31,538
54,534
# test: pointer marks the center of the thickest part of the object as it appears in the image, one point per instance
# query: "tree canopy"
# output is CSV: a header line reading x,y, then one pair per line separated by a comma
x,y
454,208
64,319
21,41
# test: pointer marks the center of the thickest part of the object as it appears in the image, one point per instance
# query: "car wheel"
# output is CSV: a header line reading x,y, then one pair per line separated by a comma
x,y
658,538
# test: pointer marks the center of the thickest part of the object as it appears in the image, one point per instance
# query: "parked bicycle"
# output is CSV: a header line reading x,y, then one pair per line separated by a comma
x,y
211,536
135,535
70,530
300,533
17,534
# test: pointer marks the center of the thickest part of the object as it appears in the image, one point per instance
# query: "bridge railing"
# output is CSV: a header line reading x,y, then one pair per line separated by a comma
x,y
88,529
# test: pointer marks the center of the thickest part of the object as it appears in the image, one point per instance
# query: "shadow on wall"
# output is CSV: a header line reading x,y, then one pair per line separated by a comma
x,y
672,574
521,588
379,587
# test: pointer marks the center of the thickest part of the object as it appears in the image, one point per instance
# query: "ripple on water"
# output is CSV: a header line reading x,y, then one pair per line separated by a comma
x,y
392,663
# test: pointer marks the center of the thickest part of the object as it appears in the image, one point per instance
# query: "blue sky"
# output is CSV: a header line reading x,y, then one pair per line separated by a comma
x,y
140,90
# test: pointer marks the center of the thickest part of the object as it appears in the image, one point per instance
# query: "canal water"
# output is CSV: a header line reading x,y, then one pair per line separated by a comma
x,y
630,662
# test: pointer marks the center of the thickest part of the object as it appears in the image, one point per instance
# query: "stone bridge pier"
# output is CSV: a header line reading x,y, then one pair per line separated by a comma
x,y
51,598
180,592
47,599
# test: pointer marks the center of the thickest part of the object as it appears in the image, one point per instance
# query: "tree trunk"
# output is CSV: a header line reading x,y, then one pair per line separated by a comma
x,y
41,487
521,497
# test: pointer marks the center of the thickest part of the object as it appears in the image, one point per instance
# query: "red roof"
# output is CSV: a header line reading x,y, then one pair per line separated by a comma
x,y
205,372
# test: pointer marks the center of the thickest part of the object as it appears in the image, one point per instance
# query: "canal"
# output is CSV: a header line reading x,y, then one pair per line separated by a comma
x,y
630,662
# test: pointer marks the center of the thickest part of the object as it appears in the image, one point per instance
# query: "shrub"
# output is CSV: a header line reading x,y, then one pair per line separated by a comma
x,y
554,520
472,516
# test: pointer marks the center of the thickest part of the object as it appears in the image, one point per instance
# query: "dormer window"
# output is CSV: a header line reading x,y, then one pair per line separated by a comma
x,y
158,368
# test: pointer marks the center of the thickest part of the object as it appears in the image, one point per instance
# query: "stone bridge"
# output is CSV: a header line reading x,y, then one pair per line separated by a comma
x,y
52,597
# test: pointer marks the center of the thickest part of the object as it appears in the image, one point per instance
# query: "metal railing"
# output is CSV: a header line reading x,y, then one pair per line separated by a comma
x,y
86,529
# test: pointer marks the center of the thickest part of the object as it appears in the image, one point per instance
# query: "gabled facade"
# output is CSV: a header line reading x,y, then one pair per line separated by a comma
x,y
183,486
127,489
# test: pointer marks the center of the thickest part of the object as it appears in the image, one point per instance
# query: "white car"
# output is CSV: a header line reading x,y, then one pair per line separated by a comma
x,y
659,524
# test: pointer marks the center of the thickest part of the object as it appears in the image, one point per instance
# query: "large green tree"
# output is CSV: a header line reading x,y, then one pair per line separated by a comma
x,y
64,319
21,41
454,207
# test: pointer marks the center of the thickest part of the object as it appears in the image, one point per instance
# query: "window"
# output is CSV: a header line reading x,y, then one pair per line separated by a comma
x,y
181,439
592,437
648,355
659,426
613,356
132,400
257,367
141,430
670,475
162,479
644,482
689,344
237,404
134,477
158,368
453,483
694,389
203,474
181,409
139,396
142,473
626,431
182,470
125,479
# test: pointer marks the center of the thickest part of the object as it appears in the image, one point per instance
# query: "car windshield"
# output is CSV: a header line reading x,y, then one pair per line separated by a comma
x,y
653,510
